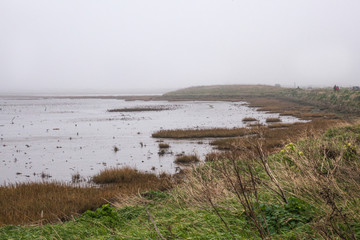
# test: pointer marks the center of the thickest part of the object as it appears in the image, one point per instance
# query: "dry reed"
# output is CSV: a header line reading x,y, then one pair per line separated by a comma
x,y
39,203
202,133
186,159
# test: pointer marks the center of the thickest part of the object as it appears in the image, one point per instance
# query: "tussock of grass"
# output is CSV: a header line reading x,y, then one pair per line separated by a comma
x,y
249,119
271,120
164,145
140,109
202,133
280,125
186,159
125,175
29,203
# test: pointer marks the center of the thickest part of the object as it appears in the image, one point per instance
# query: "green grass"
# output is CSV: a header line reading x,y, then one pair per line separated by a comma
x,y
132,223
345,100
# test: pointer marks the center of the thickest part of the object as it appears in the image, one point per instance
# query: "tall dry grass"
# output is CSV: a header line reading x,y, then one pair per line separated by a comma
x,y
187,159
131,176
38,203
249,119
271,120
276,137
326,173
202,133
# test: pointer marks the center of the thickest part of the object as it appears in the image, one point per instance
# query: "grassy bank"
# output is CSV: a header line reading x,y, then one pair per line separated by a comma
x,y
308,189
276,99
345,100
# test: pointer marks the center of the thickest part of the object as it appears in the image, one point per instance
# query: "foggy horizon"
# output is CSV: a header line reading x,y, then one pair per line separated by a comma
x,y
138,46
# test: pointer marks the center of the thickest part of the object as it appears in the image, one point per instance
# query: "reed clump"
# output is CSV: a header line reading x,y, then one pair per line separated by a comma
x,y
271,120
48,202
249,119
141,109
164,145
125,175
187,159
280,125
202,133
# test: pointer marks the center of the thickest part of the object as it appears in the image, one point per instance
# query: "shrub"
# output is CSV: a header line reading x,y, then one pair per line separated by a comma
x,y
106,215
281,218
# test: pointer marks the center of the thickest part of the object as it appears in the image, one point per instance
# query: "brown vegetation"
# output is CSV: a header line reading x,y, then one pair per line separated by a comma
x,y
115,149
322,171
186,159
37,203
249,119
280,125
326,172
275,138
140,109
49,202
271,120
125,176
164,145
202,133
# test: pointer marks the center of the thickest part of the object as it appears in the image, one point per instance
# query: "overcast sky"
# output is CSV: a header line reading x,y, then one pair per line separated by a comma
x,y
117,45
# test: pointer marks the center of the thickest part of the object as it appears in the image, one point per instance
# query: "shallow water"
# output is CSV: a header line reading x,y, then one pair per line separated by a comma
x,y
61,137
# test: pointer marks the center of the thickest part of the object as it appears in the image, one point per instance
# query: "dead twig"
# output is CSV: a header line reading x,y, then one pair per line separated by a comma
x,y
153,222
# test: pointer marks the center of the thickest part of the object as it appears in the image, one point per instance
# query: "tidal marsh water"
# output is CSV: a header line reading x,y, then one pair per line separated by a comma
x,y
55,138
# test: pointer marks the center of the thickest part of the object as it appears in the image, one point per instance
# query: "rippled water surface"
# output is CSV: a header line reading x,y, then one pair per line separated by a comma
x,y
61,137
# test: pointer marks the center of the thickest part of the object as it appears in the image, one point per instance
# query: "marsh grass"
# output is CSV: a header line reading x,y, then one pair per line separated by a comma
x,y
280,125
249,119
127,175
271,120
141,109
34,203
187,159
275,138
202,133
76,178
164,145
47,202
